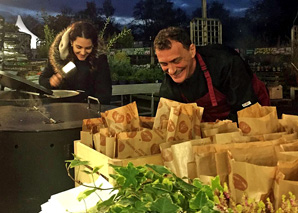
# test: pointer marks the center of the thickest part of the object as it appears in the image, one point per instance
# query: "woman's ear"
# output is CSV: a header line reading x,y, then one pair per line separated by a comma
x,y
192,50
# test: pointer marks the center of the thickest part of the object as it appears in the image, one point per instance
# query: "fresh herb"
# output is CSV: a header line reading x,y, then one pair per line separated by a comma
x,y
154,188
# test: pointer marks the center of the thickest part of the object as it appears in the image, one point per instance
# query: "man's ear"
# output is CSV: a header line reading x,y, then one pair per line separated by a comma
x,y
192,50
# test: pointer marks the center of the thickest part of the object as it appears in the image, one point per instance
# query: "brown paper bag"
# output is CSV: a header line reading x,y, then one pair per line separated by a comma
x,y
184,123
163,111
242,180
257,120
87,138
292,146
286,181
99,140
224,138
246,139
182,155
287,156
290,137
289,122
221,127
273,136
216,124
104,142
146,122
139,143
217,166
167,156
258,153
122,119
93,125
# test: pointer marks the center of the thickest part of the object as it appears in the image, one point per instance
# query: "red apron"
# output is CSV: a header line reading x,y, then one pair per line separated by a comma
x,y
215,103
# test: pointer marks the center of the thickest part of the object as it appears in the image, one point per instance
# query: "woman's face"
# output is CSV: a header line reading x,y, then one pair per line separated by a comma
x,y
82,47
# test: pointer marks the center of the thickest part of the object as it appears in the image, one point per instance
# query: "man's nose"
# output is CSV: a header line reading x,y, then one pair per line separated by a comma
x,y
171,70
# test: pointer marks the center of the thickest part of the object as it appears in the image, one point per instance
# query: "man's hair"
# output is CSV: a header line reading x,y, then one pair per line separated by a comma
x,y
163,39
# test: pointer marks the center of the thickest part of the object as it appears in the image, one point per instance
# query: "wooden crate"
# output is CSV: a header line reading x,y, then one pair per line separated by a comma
x,y
96,158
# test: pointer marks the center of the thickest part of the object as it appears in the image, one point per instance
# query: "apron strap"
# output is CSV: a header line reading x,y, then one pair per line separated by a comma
x,y
208,79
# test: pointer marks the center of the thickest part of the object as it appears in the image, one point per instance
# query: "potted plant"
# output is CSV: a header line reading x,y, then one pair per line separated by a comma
x,y
115,78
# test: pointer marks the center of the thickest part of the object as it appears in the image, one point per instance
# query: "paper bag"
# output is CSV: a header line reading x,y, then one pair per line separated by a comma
x,y
139,143
104,142
182,155
257,120
258,153
87,138
167,156
219,127
122,119
224,138
93,125
286,181
147,122
287,156
289,122
242,180
184,123
217,166
163,111
273,136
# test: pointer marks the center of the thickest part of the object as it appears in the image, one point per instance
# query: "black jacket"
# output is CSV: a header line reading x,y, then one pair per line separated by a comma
x,y
95,82
230,75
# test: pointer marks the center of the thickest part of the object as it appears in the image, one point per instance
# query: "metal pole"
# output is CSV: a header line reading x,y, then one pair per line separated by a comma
x,y
204,9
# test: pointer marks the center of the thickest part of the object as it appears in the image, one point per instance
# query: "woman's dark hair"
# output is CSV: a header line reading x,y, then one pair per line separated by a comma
x,y
85,30
162,40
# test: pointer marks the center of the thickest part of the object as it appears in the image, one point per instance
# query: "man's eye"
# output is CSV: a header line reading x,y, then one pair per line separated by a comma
x,y
177,61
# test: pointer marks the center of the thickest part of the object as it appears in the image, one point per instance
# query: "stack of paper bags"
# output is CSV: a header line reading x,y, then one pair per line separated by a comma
x,y
221,132
181,121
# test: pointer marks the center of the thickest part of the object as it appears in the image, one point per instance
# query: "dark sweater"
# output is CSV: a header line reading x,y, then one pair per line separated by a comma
x,y
96,83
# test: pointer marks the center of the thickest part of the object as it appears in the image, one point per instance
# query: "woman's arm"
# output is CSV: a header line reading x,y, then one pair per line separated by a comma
x,y
49,79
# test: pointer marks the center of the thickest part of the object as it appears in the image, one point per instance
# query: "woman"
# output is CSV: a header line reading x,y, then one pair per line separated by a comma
x,y
78,44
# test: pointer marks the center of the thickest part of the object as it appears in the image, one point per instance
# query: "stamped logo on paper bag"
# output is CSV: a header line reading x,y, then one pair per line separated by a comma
x,y
239,182
244,127
118,118
146,136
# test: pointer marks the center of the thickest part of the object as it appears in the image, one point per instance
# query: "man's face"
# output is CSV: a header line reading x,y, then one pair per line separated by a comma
x,y
177,62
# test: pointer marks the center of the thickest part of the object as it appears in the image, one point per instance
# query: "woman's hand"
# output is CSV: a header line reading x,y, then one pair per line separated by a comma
x,y
56,80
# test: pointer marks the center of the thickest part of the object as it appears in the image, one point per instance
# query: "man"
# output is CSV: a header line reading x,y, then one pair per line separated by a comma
x,y
214,76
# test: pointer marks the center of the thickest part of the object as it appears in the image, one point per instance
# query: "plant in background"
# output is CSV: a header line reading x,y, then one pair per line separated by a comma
x,y
105,46
157,72
120,65
43,49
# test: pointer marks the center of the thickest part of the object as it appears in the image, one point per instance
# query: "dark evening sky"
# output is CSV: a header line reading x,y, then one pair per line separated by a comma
x,y
123,8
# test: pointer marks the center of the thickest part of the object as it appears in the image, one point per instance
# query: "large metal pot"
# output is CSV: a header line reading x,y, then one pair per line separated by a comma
x,y
36,138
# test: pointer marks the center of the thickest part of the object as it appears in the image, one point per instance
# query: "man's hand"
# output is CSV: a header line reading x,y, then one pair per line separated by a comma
x,y
56,80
